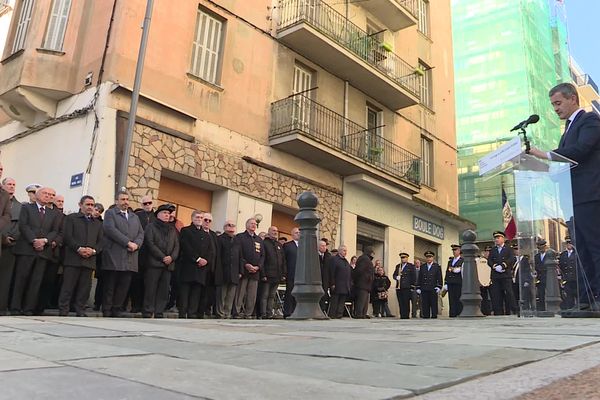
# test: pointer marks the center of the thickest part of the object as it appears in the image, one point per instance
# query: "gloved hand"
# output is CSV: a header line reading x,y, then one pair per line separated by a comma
x,y
398,277
457,270
418,291
437,290
498,268
445,287
526,284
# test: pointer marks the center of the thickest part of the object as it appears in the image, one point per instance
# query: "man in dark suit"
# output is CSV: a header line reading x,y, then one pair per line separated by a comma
x,y
291,252
324,258
82,242
405,276
227,277
123,236
251,250
501,260
581,143
568,271
523,286
136,288
10,234
453,282
39,227
271,273
341,282
362,280
541,260
429,285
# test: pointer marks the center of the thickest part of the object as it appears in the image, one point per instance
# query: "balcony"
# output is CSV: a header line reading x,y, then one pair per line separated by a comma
x,y
587,87
321,34
395,14
308,130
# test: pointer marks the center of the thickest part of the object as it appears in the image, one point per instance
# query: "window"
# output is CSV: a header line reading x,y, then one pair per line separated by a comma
x,y
374,144
57,25
426,85
426,161
423,13
206,51
22,25
303,82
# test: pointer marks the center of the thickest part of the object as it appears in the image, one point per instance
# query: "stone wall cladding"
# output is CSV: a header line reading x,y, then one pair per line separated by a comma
x,y
152,151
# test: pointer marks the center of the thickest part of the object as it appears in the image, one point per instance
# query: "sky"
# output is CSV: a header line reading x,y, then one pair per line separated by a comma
x,y
583,20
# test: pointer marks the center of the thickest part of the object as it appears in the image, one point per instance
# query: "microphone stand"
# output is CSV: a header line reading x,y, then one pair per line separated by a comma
x,y
523,132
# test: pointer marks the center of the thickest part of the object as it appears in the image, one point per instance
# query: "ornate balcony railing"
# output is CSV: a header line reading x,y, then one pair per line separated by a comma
x,y
338,28
300,114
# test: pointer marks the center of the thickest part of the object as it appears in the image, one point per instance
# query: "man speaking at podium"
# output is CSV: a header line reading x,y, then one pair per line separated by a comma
x,y
581,142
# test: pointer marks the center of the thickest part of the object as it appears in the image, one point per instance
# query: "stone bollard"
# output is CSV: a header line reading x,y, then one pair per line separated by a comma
x,y
307,284
553,299
471,295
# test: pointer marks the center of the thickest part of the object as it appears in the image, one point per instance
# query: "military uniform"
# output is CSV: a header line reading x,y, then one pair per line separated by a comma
x,y
523,286
568,270
453,284
429,285
405,276
501,260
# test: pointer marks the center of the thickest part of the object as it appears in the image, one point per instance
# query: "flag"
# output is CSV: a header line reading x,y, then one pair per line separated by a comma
x,y
510,227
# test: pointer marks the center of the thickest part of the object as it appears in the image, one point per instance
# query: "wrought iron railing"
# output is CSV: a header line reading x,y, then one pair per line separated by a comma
x,y
338,28
411,6
298,113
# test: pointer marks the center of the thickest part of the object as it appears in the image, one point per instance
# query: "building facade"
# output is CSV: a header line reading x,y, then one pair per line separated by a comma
x,y
507,57
242,107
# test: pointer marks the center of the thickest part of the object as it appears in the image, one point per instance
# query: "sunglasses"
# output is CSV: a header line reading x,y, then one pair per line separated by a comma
x,y
230,225
207,220
147,203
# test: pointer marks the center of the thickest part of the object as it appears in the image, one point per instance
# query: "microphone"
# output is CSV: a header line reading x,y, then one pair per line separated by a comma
x,y
533,118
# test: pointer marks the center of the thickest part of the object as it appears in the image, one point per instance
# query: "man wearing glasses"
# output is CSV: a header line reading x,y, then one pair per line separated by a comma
x,y
136,289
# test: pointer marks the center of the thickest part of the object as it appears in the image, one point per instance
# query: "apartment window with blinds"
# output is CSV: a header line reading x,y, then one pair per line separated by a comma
x,y
423,13
426,161
426,85
206,51
22,25
57,25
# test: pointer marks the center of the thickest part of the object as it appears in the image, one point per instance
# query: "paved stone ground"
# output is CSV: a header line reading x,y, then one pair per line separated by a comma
x,y
102,358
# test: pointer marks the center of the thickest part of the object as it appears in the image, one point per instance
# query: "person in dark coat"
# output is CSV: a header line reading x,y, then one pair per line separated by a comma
x,y
39,228
271,273
324,262
123,236
10,234
341,283
501,261
200,255
291,253
523,287
405,276
379,292
97,214
362,281
161,240
568,271
429,286
136,288
229,271
82,243
250,248
453,282
541,260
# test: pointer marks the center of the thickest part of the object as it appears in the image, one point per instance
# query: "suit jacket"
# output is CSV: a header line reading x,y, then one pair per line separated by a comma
x,y
291,253
430,279
581,143
32,227
504,258
196,243
231,268
79,232
541,266
5,209
326,273
568,265
251,251
12,229
119,231
274,266
342,275
363,273
408,276
454,278
161,239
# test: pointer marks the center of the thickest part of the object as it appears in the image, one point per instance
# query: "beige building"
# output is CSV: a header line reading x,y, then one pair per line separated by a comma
x,y
245,104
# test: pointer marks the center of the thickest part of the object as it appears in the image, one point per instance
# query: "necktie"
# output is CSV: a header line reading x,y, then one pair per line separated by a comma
x,y
567,123
124,213
42,212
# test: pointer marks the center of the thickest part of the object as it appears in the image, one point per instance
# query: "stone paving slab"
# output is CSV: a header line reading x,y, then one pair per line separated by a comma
x,y
73,383
12,361
217,381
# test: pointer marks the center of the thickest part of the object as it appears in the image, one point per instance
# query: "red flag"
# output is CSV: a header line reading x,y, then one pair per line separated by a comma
x,y
510,227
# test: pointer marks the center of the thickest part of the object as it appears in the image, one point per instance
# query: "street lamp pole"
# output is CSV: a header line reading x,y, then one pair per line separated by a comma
x,y
139,68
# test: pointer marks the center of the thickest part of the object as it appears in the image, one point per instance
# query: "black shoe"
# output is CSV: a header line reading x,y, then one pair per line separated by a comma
x,y
106,314
182,316
81,314
28,313
96,308
117,314
159,315
146,315
63,314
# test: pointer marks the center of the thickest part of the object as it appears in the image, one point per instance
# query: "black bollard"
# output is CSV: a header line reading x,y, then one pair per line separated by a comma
x,y
471,294
553,299
307,284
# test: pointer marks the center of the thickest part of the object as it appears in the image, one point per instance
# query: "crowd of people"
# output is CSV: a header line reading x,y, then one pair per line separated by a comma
x,y
147,262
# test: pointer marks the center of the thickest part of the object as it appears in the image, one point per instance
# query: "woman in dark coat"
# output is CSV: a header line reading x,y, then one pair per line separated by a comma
x,y
162,248
379,298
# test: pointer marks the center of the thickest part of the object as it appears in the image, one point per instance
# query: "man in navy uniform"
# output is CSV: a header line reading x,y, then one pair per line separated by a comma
x,y
523,287
453,283
429,285
405,276
501,262
540,261
568,267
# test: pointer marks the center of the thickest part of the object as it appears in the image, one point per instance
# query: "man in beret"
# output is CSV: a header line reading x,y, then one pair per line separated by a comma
x,y
429,286
501,262
405,276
